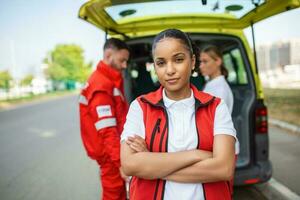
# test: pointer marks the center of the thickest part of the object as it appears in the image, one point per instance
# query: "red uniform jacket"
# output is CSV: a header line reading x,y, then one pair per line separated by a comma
x,y
103,110
156,137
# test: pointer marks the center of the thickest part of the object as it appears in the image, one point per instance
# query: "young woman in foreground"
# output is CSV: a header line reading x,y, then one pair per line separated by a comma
x,y
178,142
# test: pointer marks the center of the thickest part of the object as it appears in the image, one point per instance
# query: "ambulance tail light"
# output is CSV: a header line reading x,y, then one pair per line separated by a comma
x,y
261,119
252,181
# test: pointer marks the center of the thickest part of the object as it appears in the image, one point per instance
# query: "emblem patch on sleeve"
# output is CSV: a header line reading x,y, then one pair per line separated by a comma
x,y
104,111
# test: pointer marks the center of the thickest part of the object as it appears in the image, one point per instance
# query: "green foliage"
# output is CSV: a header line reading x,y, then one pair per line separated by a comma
x,y
66,63
5,79
57,72
285,101
27,80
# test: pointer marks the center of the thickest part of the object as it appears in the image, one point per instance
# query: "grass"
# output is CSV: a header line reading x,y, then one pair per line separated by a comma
x,y
283,104
31,98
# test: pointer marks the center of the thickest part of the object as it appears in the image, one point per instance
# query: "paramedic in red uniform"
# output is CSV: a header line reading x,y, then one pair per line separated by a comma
x,y
178,143
103,110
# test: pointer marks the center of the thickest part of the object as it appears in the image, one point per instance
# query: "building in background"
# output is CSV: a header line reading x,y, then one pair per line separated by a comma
x,y
295,52
279,64
263,58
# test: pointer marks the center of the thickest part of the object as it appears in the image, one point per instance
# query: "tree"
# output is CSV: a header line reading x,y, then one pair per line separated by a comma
x,y
27,80
5,79
66,63
57,72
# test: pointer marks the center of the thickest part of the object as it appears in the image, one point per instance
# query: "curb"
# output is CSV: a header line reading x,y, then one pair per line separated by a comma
x,y
274,190
9,107
285,125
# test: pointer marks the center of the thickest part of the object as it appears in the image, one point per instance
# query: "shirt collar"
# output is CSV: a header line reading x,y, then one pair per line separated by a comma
x,y
217,79
190,101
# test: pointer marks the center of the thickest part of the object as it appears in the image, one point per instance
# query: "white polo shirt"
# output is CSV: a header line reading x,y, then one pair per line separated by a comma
x,y
182,136
219,87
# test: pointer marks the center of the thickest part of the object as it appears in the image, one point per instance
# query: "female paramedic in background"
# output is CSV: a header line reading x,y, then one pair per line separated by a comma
x,y
211,65
177,142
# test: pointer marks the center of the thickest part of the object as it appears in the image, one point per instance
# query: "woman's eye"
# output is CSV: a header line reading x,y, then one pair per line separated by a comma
x,y
179,60
160,63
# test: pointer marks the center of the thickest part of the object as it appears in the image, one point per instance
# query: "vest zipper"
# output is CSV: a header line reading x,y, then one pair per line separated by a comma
x,y
156,128
162,138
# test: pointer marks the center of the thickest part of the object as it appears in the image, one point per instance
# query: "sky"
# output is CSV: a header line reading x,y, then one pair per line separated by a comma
x,y
30,29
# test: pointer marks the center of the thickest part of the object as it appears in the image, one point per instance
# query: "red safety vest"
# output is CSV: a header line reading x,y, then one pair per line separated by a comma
x,y
105,83
156,127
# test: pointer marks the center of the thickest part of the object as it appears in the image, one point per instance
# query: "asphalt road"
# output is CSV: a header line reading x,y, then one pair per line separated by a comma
x,y
41,156
285,157
285,183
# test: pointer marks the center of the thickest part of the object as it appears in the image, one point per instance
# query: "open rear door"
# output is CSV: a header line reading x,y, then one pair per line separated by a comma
x,y
267,9
136,17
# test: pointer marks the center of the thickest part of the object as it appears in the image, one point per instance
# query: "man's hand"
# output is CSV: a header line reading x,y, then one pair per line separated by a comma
x,y
137,143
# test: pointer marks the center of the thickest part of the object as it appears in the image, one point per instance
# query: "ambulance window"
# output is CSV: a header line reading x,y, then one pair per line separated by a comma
x,y
143,77
233,62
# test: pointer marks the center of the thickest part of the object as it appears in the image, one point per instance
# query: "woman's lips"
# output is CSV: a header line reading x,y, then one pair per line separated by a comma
x,y
172,81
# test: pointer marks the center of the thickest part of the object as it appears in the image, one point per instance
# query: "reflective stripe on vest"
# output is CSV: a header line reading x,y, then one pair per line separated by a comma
x,y
105,123
117,92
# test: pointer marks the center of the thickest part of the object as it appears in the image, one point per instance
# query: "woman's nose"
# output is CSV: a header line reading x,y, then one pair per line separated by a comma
x,y
170,68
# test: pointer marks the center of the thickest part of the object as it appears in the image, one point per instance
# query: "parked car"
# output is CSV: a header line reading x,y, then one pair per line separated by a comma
x,y
218,22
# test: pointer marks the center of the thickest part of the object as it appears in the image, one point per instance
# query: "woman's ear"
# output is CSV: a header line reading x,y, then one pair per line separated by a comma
x,y
218,61
193,62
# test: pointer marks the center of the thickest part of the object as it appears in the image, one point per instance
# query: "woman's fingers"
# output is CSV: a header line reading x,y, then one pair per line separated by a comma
x,y
137,143
128,142
133,146
141,142
136,147
131,139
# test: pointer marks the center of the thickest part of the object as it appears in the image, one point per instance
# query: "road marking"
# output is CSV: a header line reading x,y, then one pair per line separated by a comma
x,y
285,125
47,134
285,191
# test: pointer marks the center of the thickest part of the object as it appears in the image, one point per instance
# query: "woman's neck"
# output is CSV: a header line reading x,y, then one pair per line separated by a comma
x,y
179,94
215,75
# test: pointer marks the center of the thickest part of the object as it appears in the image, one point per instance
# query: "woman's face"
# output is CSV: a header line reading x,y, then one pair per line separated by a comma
x,y
210,66
173,66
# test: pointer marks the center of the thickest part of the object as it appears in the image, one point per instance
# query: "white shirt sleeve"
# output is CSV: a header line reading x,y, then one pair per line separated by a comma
x,y
223,123
134,124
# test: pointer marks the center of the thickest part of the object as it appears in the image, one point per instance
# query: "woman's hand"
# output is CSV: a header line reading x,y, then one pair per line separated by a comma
x,y
137,143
